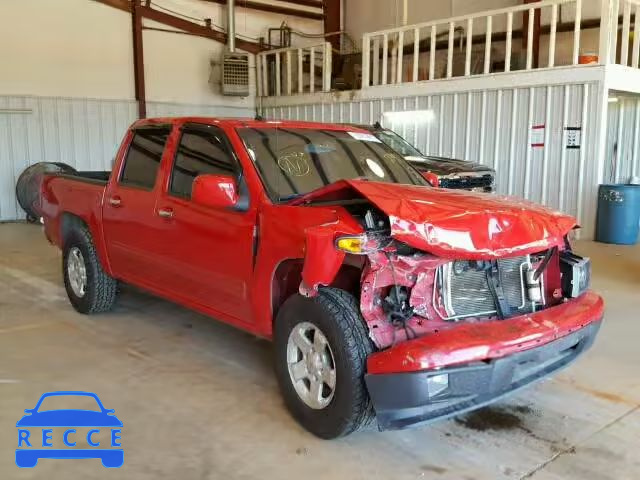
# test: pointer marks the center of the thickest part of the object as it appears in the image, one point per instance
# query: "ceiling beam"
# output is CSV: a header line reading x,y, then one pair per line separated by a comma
x,y
265,7
192,27
306,3
123,5
182,24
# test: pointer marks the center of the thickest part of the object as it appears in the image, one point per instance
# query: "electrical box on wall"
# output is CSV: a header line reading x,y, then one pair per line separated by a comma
x,y
235,74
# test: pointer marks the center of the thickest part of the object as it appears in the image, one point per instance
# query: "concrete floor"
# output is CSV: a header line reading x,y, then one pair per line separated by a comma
x,y
199,401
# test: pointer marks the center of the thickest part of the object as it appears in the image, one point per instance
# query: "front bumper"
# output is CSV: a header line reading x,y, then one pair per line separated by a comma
x,y
403,399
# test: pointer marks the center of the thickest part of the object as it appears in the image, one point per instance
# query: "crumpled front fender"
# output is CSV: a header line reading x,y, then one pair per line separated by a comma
x,y
322,260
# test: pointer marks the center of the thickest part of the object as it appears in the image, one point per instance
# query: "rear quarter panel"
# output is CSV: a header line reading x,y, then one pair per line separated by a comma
x,y
63,198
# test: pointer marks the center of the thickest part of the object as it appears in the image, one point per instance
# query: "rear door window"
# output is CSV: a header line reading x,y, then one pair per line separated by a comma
x,y
202,151
143,158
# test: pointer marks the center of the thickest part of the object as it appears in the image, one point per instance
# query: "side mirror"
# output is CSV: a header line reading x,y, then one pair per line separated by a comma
x,y
28,410
432,178
214,191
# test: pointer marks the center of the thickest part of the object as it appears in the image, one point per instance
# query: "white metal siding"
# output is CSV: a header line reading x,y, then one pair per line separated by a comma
x,y
622,159
493,127
84,133
163,109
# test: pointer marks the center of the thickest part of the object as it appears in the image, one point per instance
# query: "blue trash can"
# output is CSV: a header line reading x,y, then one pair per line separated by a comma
x,y
618,214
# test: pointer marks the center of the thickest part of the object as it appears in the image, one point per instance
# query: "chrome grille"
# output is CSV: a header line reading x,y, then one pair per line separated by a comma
x,y
465,292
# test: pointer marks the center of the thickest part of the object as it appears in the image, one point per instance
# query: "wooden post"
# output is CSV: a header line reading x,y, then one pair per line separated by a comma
x,y
331,21
138,59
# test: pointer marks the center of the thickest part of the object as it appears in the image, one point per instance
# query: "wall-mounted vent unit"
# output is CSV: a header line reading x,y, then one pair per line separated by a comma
x,y
235,74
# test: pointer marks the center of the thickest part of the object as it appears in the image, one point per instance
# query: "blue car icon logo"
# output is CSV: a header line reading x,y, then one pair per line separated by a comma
x,y
34,444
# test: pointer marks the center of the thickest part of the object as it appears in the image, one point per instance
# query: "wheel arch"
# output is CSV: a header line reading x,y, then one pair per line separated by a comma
x,y
69,221
287,277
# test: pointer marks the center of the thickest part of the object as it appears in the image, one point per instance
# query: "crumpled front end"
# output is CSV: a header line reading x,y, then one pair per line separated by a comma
x,y
455,335
466,297
407,293
453,224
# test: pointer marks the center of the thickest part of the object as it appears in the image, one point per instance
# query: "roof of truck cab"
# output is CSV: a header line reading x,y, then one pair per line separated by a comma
x,y
243,122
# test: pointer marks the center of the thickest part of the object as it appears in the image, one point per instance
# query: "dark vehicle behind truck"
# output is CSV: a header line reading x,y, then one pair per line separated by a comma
x,y
439,171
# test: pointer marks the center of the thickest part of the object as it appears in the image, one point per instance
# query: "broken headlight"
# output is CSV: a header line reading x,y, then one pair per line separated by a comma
x,y
363,244
576,274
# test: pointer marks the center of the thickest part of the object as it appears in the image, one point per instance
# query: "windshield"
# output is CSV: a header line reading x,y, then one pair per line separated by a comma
x,y
69,402
398,143
295,161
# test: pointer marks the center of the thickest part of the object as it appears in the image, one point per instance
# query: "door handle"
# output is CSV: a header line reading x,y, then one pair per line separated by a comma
x,y
115,201
165,213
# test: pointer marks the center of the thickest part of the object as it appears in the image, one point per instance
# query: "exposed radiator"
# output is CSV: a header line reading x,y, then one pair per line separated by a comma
x,y
465,291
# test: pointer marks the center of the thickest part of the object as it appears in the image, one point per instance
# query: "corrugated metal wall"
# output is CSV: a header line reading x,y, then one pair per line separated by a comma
x,y
84,133
159,109
622,160
493,127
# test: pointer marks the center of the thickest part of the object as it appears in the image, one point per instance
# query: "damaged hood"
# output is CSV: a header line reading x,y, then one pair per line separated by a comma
x,y
455,224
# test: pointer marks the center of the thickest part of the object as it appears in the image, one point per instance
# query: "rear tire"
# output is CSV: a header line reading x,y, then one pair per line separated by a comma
x,y
89,288
335,314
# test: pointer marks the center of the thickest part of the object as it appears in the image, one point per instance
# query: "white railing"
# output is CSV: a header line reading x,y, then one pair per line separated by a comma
x,y
288,71
628,44
384,52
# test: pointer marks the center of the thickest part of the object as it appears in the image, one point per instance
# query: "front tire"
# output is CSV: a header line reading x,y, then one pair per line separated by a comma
x,y
321,347
89,288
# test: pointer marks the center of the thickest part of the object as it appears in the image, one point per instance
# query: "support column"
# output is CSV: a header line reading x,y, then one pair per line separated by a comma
x,y
138,59
332,15
332,10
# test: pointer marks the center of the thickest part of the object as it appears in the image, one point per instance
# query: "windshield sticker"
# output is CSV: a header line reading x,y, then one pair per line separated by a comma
x,y
294,164
364,137
375,167
317,148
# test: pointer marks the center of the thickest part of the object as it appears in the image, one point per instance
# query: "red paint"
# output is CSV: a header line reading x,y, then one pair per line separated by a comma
x,y
322,261
202,257
223,261
214,191
432,178
456,224
537,128
475,342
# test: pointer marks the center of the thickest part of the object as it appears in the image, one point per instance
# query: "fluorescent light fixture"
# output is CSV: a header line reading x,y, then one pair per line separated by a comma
x,y
613,99
411,116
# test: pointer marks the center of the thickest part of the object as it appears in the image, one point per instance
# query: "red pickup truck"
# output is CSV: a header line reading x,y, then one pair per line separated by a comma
x,y
386,299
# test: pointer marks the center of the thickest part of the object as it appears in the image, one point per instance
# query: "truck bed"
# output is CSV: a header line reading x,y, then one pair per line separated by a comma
x,y
100,177
79,194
